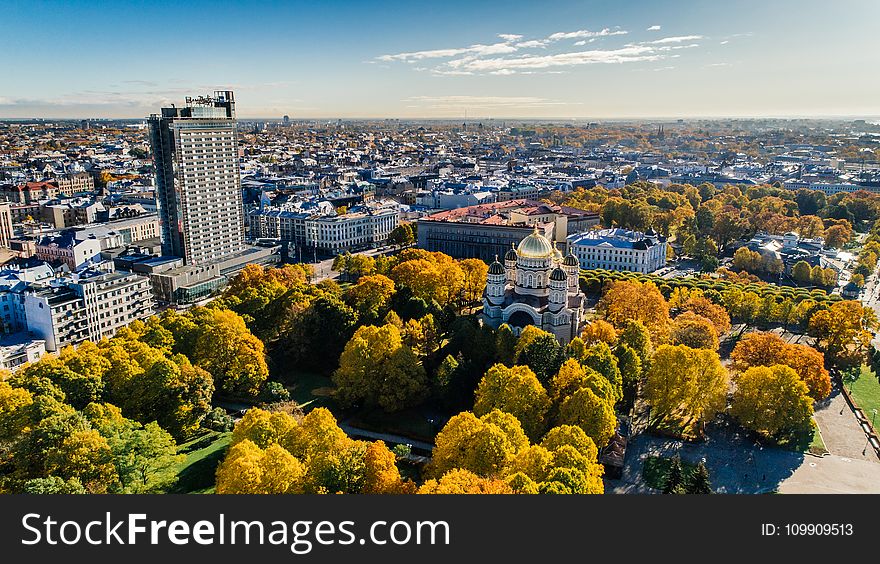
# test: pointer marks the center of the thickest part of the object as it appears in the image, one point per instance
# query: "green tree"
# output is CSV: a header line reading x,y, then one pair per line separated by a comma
x,y
505,345
318,335
699,482
675,476
543,355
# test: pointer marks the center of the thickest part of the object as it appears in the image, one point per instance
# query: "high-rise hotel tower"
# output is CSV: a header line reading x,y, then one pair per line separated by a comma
x,y
198,187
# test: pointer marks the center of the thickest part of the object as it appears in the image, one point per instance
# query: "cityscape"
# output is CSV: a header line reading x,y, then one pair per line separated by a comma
x,y
478,290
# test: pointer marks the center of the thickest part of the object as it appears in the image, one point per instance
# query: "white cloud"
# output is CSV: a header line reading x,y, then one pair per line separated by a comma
x,y
585,33
718,65
533,43
653,28
503,58
478,49
725,42
676,39
441,72
629,54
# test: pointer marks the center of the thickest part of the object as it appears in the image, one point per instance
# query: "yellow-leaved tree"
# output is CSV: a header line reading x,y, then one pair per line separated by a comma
x,y
685,387
516,391
772,401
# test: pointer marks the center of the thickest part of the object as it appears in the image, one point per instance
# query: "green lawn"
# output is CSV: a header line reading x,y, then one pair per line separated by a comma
x,y
203,455
310,390
809,441
656,469
866,393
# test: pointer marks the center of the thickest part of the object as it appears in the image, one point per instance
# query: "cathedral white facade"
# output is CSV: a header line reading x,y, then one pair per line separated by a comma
x,y
535,286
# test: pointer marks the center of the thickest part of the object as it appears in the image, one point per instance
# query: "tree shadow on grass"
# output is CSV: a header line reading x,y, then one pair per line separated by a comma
x,y
199,475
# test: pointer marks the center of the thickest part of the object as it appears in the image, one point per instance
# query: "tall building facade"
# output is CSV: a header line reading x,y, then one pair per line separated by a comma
x,y
198,187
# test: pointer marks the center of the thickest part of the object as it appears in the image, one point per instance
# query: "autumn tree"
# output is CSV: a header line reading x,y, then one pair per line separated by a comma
x,y
772,401
599,331
746,259
627,301
249,469
516,391
484,446
684,385
231,353
594,415
475,271
769,349
801,272
377,369
698,304
600,358
172,392
370,297
844,331
461,481
694,331
636,336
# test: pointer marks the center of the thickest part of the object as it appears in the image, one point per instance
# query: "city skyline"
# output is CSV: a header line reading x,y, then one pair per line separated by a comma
x,y
568,60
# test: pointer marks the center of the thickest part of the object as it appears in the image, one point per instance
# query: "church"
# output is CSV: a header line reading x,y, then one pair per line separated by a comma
x,y
535,286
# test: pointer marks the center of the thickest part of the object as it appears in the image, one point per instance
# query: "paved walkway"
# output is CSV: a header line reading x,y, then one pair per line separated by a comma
x,y
738,465
387,437
841,432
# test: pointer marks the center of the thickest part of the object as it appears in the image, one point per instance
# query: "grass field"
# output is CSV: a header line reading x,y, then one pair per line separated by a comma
x,y
866,393
810,441
196,474
310,390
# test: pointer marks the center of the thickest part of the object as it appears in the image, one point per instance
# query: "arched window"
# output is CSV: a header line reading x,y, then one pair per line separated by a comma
x,y
531,281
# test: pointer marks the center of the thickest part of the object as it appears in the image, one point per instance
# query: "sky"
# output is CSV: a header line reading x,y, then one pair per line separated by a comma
x,y
444,59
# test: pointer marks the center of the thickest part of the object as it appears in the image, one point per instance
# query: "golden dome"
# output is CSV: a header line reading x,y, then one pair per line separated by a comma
x,y
535,246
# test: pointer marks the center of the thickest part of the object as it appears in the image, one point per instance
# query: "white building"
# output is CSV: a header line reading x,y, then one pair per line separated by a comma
x,y
828,188
70,249
19,349
89,305
363,226
619,249
535,286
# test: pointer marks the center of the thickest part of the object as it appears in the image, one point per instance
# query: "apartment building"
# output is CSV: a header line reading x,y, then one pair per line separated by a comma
x,y
198,187
88,305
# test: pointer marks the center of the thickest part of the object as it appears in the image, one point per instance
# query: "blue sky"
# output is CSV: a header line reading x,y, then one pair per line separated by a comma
x,y
444,59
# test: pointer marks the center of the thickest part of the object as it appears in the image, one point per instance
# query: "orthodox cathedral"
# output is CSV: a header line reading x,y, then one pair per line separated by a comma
x,y
535,286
